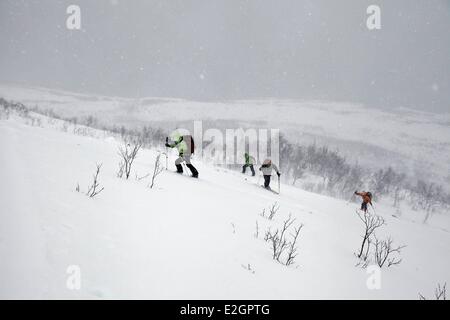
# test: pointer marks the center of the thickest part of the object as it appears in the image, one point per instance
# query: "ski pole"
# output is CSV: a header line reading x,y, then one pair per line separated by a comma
x,y
351,198
167,156
167,153
279,185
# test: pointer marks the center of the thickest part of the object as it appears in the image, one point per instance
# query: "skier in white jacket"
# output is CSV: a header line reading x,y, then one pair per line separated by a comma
x,y
266,170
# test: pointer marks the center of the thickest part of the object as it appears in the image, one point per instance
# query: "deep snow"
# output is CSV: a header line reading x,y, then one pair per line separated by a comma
x,y
184,238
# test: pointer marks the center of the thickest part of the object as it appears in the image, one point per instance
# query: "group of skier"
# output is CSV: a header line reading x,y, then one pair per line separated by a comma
x,y
185,147
266,168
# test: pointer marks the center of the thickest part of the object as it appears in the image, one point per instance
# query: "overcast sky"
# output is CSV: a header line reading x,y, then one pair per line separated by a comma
x,y
214,50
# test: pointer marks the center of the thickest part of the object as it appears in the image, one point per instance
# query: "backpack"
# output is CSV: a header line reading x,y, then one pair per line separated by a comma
x,y
190,142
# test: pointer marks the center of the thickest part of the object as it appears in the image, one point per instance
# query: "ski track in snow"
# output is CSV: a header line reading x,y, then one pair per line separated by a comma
x,y
185,238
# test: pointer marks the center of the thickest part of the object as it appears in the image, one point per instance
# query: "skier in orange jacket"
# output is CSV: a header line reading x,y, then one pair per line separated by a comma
x,y
367,199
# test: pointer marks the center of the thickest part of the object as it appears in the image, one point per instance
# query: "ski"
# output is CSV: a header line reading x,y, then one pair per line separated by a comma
x,y
269,189
183,174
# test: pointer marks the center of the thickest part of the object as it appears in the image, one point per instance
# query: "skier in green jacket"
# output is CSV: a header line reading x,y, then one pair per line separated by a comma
x,y
249,162
185,147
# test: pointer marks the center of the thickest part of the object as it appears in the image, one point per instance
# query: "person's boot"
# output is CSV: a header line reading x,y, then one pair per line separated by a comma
x,y
193,170
179,168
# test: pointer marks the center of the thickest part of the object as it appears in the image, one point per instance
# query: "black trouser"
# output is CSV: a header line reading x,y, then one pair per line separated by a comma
x,y
364,206
190,166
187,159
244,168
266,181
193,170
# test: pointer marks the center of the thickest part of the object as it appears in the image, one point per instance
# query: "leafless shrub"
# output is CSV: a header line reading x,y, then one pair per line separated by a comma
x,y
90,121
263,213
121,170
365,259
127,154
292,249
4,112
363,262
365,256
280,245
11,107
384,250
267,235
429,197
273,210
158,168
440,293
94,189
299,166
399,195
371,223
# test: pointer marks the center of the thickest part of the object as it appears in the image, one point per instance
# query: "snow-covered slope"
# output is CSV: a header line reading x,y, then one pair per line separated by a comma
x,y
410,141
184,238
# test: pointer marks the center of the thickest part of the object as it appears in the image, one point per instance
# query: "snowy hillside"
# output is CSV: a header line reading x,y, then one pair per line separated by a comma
x,y
184,238
410,141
